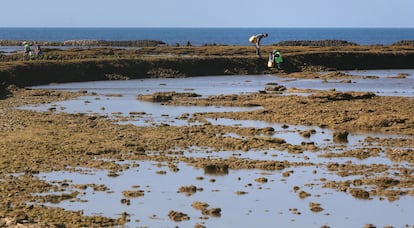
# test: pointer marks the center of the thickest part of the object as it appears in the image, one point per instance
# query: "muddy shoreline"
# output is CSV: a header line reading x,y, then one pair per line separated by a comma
x,y
35,142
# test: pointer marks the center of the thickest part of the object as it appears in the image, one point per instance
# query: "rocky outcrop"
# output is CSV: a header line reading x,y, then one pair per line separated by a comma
x,y
319,43
339,96
89,43
106,43
404,43
165,96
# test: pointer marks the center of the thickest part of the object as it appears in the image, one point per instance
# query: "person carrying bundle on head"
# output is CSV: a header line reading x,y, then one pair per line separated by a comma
x,y
256,40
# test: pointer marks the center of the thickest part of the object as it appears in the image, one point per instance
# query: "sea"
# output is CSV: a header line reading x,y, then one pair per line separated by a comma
x,y
219,36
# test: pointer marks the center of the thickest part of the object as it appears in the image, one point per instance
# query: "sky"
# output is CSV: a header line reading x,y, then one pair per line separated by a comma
x,y
207,13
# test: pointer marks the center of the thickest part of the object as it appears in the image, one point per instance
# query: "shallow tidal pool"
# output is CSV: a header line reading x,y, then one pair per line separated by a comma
x,y
246,198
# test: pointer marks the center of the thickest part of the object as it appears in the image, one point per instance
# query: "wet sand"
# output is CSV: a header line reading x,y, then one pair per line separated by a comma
x,y
39,142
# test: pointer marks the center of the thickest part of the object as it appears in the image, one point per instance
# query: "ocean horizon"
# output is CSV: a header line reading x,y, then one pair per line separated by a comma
x,y
202,36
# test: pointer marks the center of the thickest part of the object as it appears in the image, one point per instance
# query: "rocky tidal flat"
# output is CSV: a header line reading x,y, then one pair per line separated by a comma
x,y
189,175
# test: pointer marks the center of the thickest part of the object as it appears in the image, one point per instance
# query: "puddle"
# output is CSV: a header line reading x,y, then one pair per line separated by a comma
x,y
384,85
383,73
293,134
277,155
124,102
129,110
205,86
243,199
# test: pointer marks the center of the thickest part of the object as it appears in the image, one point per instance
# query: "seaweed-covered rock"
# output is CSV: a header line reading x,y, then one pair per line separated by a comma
x,y
165,96
315,207
275,88
340,136
336,96
178,216
215,212
188,190
216,169
359,193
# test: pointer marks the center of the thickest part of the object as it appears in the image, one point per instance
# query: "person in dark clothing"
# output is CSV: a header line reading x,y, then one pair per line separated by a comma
x,y
37,49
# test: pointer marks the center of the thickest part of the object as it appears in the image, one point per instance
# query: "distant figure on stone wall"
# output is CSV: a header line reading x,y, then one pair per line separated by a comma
x,y
37,49
256,40
27,54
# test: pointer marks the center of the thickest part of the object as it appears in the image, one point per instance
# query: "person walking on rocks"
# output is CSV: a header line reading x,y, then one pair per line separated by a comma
x,y
27,51
37,49
256,40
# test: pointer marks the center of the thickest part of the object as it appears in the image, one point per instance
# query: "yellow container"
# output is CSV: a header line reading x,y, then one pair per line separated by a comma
x,y
270,63
252,39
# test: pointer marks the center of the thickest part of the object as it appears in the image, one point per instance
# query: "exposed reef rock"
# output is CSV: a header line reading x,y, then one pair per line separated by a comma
x,y
165,96
320,43
99,43
336,96
404,43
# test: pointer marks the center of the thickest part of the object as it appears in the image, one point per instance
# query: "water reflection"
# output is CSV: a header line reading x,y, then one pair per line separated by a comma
x,y
205,86
129,110
243,196
292,134
384,83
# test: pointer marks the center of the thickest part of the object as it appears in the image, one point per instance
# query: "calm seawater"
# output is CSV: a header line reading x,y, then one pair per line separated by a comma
x,y
200,36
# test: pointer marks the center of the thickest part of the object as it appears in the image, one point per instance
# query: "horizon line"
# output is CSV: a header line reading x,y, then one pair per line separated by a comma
x,y
212,27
